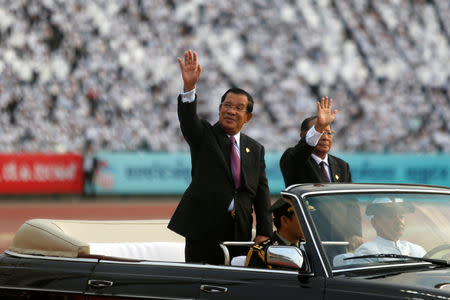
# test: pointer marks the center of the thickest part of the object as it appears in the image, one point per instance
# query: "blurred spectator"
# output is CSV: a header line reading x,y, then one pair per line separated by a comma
x,y
92,96
387,60
89,167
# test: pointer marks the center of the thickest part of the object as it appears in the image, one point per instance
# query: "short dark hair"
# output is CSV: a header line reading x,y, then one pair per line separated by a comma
x,y
305,126
281,211
305,123
239,91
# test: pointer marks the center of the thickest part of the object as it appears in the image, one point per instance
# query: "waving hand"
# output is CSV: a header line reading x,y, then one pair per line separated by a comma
x,y
190,70
324,114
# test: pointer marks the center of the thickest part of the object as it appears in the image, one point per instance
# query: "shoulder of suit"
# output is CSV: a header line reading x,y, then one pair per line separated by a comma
x,y
206,123
248,140
301,145
287,151
337,159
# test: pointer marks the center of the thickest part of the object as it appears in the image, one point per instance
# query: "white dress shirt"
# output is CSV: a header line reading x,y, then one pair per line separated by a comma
x,y
312,138
188,96
380,246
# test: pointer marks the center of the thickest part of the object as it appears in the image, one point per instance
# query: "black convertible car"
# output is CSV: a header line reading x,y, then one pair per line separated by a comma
x,y
363,241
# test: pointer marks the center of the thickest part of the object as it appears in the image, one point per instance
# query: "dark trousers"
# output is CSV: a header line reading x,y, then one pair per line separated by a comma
x,y
209,251
204,251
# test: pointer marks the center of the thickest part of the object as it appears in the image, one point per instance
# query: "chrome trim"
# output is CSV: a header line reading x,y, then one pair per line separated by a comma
x,y
39,290
99,283
310,232
335,243
372,186
443,286
383,267
152,263
285,256
213,288
378,190
127,296
200,266
35,256
226,253
238,243
428,295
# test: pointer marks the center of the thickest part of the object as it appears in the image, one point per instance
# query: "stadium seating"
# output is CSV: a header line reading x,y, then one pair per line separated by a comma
x,y
106,71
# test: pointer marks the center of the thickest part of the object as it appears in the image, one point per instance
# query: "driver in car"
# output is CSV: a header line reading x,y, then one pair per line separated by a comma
x,y
387,216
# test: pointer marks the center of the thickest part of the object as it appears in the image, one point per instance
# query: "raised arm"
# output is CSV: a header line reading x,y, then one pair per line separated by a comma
x,y
190,124
324,114
190,70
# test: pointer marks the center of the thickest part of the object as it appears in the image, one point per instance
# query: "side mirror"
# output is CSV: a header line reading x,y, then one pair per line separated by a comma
x,y
285,256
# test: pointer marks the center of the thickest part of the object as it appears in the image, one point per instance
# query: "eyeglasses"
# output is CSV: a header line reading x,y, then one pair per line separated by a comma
x,y
330,133
229,106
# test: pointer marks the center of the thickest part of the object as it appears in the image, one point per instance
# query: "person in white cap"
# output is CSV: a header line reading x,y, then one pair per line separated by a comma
x,y
387,216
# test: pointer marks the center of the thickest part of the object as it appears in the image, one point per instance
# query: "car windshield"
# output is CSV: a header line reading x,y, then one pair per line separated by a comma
x,y
394,225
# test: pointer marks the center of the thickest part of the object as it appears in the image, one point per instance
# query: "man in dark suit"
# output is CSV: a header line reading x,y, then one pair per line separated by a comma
x,y
228,174
310,162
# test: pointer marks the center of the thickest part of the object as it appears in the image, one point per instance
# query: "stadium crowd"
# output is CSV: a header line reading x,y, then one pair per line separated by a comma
x,y
79,70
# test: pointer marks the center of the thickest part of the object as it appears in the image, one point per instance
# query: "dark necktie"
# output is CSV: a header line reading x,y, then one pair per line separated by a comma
x,y
322,166
235,163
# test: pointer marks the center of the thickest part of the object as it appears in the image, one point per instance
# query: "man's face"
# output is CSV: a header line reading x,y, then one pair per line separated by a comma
x,y
325,143
389,226
293,228
231,119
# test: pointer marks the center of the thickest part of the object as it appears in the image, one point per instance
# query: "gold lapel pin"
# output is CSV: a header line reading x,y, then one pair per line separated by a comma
x,y
336,176
247,150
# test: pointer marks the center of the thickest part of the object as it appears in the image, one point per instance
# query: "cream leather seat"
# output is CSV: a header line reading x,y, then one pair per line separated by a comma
x,y
137,239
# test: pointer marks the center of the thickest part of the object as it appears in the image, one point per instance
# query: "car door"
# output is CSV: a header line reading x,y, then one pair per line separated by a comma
x,y
246,283
34,277
149,280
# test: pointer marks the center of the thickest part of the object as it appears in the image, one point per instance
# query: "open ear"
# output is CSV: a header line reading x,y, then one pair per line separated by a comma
x,y
283,220
249,116
303,133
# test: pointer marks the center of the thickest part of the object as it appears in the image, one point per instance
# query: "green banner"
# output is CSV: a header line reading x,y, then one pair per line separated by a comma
x,y
149,173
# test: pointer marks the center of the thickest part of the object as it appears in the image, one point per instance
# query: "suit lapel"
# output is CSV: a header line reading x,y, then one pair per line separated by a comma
x,y
244,148
315,168
334,169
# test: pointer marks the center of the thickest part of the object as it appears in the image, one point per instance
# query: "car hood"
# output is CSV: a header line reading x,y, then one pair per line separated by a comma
x,y
438,280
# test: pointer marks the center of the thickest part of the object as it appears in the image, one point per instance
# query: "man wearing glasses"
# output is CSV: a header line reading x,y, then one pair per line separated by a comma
x,y
309,161
228,174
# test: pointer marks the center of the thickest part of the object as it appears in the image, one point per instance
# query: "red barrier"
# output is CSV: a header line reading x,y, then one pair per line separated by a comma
x,y
41,173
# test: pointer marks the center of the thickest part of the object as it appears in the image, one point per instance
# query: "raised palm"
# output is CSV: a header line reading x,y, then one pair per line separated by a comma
x,y
190,70
325,116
